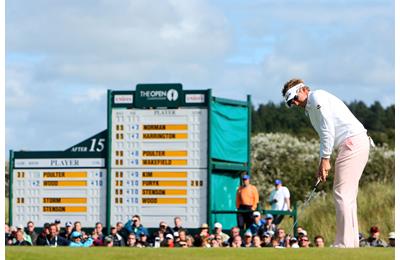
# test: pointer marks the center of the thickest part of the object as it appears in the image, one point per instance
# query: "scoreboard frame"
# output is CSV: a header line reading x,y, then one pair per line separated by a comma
x,y
130,99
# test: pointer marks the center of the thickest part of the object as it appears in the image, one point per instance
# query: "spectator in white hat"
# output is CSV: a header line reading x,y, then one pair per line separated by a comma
x,y
294,243
66,233
168,241
248,239
301,233
392,238
257,224
218,231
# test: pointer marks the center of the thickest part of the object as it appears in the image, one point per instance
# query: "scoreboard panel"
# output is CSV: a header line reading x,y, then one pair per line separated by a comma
x,y
43,191
159,165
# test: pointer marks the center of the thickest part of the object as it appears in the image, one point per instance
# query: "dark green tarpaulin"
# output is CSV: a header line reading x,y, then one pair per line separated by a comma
x,y
224,186
229,132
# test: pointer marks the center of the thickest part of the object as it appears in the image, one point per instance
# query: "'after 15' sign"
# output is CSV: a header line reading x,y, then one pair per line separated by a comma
x,y
158,95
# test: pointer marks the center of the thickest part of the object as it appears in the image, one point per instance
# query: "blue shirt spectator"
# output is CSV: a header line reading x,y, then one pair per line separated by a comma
x,y
134,226
77,240
257,224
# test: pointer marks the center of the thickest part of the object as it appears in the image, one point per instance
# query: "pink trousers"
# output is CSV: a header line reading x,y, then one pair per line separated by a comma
x,y
350,163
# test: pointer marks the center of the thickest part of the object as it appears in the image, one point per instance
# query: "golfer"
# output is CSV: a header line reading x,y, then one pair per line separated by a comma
x,y
337,128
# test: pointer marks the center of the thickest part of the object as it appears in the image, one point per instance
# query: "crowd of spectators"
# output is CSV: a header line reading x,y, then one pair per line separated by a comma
x,y
261,233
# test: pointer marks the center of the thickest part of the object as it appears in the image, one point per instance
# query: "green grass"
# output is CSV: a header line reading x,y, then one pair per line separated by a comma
x,y
44,253
375,207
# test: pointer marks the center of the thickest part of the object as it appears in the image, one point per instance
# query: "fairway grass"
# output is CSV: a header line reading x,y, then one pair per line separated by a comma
x,y
44,253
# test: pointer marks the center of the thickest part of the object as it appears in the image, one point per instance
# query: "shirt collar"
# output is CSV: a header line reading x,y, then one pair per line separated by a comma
x,y
308,105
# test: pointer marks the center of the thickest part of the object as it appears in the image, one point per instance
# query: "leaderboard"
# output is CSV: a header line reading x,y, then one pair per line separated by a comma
x,y
66,189
159,165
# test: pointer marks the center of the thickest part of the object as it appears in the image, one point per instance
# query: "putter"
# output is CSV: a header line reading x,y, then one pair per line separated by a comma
x,y
308,200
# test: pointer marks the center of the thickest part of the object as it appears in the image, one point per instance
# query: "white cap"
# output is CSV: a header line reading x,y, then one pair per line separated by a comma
x,y
271,233
303,232
248,234
291,93
391,235
169,236
256,213
217,225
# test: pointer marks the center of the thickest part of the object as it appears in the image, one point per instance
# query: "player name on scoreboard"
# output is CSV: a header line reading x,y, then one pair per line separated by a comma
x,y
165,136
164,200
165,127
164,153
65,183
64,209
64,174
164,162
164,192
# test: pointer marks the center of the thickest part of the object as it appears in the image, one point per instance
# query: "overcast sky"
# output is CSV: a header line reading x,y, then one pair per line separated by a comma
x,y
62,56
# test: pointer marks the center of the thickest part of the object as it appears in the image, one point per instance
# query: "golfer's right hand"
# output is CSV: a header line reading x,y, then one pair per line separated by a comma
x,y
323,169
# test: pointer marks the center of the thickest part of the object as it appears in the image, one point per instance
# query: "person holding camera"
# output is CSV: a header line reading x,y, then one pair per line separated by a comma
x,y
279,200
181,240
134,226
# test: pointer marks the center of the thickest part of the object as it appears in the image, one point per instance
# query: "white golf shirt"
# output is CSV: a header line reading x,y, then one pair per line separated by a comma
x,y
279,195
332,120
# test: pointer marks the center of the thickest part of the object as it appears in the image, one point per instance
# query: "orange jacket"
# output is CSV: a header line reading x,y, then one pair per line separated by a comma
x,y
247,196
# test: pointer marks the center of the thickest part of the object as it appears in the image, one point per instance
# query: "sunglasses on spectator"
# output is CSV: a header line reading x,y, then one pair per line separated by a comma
x,y
306,240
